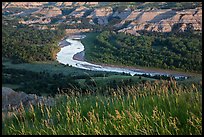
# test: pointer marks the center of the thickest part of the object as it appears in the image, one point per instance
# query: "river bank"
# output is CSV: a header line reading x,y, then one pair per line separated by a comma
x,y
81,57
73,54
148,69
64,43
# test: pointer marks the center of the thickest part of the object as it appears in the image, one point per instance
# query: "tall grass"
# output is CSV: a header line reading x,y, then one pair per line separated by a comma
x,y
161,108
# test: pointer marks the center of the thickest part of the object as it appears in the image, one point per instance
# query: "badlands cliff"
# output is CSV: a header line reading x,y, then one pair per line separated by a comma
x,y
130,20
164,20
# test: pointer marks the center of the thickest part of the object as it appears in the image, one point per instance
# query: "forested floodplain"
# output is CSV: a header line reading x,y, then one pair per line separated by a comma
x,y
22,43
167,51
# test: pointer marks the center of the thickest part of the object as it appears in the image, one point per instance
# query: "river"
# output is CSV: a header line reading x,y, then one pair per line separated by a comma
x,y
73,45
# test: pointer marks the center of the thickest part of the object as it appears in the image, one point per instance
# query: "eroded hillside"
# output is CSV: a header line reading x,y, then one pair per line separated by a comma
x,y
124,17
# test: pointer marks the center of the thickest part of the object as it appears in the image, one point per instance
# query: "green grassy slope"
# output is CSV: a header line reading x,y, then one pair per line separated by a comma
x,y
160,108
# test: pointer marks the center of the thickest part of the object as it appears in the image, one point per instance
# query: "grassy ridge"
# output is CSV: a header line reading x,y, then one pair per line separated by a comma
x,y
104,81
158,108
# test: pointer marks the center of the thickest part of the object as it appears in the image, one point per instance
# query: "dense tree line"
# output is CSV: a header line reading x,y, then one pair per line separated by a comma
x,y
41,83
26,44
168,51
38,83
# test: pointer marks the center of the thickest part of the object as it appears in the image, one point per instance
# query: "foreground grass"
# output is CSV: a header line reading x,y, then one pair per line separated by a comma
x,y
149,109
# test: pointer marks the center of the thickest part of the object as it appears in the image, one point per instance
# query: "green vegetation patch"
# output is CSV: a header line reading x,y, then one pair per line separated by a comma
x,y
88,43
51,67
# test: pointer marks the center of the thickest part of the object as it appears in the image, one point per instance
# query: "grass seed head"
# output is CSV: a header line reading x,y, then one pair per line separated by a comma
x,y
118,116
